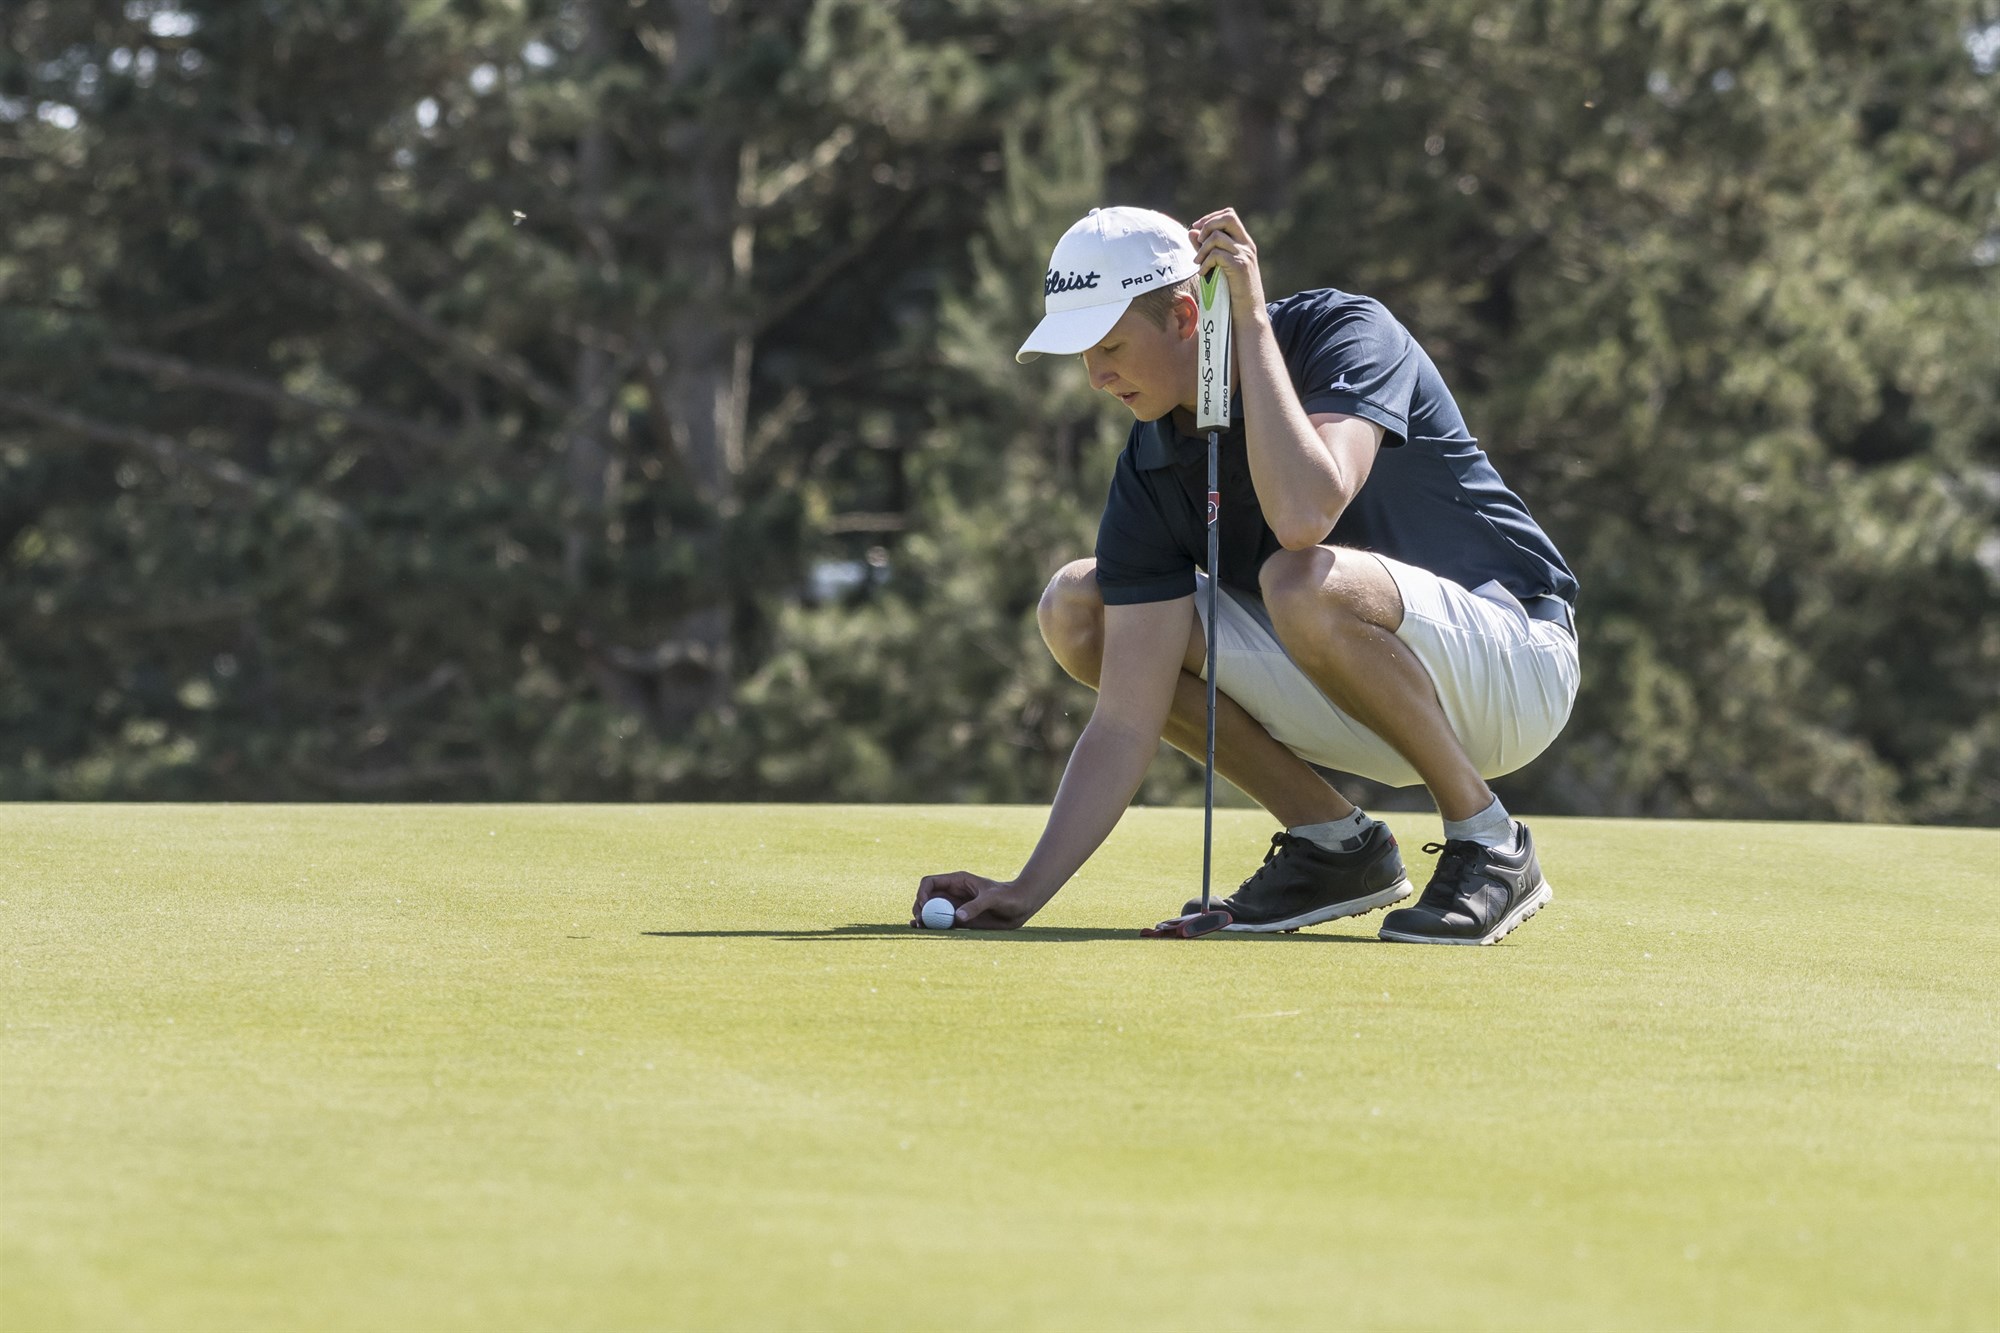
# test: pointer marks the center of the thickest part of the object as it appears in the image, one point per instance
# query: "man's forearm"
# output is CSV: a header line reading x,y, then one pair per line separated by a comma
x,y
1104,772
1298,480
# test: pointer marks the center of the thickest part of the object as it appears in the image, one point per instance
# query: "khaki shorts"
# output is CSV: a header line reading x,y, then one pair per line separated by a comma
x,y
1506,680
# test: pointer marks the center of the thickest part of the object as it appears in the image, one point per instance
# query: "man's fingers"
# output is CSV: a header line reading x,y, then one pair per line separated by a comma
x,y
1221,242
1221,217
924,890
993,908
972,908
976,900
956,887
931,886
1220,237
1218,225
1212,254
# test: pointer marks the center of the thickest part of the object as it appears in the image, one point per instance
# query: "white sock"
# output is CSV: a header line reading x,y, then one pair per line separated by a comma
x,y
1491,827
1337,835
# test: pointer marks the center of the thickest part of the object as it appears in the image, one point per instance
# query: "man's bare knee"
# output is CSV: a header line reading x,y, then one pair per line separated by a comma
x,y
1328,593
1071,615
1300,584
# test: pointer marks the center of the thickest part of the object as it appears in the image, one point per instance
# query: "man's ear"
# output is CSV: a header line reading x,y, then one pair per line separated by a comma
x,y
1187,315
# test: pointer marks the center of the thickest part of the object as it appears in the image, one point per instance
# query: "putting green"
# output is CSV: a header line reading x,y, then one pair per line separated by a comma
x,y
593,1067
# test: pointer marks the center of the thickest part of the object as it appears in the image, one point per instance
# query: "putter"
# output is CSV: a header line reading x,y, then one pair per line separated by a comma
x,y
1212,415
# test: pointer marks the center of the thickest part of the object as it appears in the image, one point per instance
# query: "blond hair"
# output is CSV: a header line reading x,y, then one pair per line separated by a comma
x,y
1158,304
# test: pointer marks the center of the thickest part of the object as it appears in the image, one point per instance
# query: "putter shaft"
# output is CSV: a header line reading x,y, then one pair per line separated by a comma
x,y
1208,768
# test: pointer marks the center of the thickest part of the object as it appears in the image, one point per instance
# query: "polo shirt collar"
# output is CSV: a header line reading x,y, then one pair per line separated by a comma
x,y
1160,445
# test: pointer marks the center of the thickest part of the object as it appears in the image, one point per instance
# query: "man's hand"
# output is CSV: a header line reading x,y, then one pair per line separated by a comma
x,y
1222,241
1306,470
982,904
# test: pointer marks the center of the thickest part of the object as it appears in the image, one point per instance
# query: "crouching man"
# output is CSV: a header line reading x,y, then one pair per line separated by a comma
x,y
1388,607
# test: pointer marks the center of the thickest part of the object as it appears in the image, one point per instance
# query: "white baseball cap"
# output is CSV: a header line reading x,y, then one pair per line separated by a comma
x,y
1098,266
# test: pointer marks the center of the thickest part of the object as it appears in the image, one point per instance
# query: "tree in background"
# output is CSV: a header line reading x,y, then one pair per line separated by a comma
x,y
431,340
458,401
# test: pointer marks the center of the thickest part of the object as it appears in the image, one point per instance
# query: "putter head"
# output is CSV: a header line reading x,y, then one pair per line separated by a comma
x,y
1192,926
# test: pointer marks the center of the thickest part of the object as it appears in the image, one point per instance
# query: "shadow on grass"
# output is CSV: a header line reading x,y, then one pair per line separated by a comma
x,y
1025,935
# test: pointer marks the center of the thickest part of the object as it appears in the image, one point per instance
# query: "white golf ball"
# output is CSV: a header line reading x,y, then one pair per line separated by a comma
x,y
938,914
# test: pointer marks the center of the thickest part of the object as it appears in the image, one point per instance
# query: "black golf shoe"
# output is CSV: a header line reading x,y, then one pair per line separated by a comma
x,y
1302,883
1476,896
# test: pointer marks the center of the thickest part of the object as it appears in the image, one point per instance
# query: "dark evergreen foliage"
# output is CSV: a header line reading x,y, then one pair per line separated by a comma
x,y
569,399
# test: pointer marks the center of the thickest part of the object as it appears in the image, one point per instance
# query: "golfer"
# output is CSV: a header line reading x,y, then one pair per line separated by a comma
x,y
1388,607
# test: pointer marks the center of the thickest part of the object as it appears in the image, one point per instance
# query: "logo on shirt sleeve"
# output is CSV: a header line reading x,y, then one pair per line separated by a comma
x,y
1343,385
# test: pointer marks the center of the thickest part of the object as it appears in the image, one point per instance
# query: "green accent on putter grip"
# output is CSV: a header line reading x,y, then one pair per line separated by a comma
x,y
630,1066
1208,286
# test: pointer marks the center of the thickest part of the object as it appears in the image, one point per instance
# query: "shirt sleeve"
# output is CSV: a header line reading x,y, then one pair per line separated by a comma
x,y
1138,559
1357,359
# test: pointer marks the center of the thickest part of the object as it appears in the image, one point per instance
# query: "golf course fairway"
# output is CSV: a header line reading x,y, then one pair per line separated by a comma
x,y
687,1067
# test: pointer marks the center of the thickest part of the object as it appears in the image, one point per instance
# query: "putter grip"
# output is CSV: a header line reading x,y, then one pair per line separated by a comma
x,y
1212,396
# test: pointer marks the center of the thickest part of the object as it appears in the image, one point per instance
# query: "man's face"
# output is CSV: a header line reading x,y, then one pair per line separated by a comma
x,y
1152,370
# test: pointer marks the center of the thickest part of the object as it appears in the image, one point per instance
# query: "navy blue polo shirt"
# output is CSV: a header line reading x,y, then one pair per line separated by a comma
x,y
1432,498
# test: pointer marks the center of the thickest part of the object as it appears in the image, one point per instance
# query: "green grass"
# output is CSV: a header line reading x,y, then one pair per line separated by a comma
x,y
468,1067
